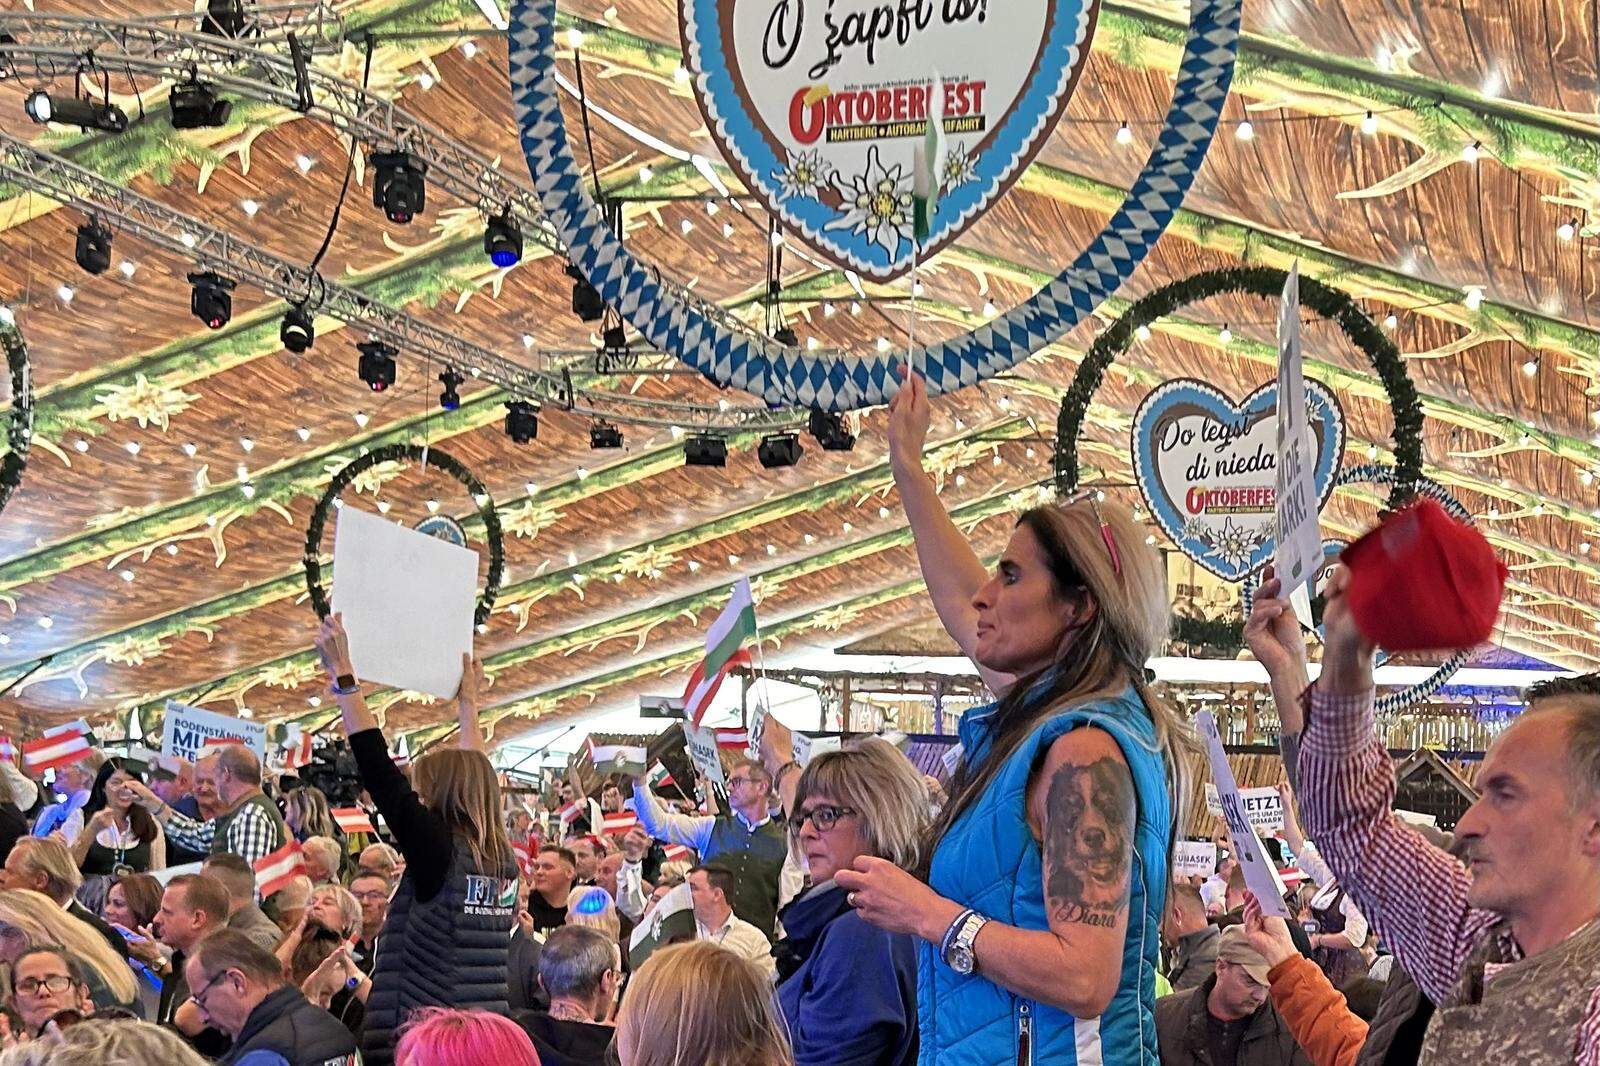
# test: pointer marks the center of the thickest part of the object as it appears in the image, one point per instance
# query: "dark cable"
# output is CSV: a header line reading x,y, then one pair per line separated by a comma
x,y
588,135
349,169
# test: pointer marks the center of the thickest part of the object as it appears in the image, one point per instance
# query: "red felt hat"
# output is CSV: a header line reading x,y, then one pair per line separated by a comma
x,y
1423,581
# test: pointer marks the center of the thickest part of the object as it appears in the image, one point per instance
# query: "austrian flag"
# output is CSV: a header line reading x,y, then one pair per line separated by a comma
x,y
726,648
352,820
298,754
57,749
275,871
619,823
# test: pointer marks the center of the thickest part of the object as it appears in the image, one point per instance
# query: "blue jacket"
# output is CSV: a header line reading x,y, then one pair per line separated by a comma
x,y
990,861
847,989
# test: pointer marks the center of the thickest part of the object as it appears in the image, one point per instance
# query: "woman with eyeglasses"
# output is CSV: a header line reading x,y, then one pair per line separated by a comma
x,y
1038,901
865,799
30,920
46,982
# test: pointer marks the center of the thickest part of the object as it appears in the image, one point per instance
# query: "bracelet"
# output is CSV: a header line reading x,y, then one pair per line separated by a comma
x,y
955,927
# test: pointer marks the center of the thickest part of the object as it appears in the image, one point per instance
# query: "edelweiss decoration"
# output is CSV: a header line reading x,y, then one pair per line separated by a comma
x,y
1206,467
822,107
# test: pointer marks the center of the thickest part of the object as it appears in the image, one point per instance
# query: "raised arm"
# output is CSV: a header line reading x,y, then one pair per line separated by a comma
x,y
950,568
1273,633
473,683
693,831
1074,965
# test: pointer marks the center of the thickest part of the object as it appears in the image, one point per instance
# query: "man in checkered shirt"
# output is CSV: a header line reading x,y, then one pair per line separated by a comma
x,y
248,825
1507,945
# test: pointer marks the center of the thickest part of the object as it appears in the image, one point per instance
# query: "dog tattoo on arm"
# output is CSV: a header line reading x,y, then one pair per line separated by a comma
x,y
1089,842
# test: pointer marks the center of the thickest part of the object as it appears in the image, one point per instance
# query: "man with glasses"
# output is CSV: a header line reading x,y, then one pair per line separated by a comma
x,y
44,983
751,844
372,891
709,888
240,989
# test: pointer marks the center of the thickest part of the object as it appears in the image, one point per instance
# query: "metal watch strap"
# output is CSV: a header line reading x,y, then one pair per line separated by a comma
x,y
950,933
967,936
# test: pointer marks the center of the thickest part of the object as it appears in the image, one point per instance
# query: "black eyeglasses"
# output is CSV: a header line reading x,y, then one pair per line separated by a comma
x,y
824,818
199,998
56,983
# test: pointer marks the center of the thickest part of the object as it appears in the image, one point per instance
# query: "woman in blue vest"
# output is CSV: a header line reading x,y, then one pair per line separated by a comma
x,y
1041,891
448,931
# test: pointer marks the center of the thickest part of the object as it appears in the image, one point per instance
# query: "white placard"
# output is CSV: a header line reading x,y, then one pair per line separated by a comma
x,y
1263,806
807,748
702,744
1193,858
1260,876
185,730
1297,550
170,872
407,601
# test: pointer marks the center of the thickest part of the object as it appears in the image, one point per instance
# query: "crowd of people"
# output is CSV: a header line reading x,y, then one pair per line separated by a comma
x,y
847,911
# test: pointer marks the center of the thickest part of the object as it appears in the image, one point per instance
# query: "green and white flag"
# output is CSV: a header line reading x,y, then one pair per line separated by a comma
x,y
726,648
625,759
927,172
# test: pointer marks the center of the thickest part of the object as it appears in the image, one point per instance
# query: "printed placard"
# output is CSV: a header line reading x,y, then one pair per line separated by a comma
x,y
1263,806
1193,858
1260,876
702,744
185,731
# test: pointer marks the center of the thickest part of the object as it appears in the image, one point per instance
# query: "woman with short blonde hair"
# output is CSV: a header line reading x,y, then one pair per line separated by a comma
x,y
592,906
93,1042
30,919
699,1004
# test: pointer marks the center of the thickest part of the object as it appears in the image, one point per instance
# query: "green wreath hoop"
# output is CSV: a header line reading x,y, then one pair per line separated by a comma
x,y
19,427
1324,300
437,459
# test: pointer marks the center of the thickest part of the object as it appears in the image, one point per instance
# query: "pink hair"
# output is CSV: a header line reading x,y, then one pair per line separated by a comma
x,y
436,1036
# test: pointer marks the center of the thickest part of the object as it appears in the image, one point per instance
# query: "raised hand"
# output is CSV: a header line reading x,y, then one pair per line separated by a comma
x,y
909,416
334,647
1268,934
1273,631
473,681
1346,654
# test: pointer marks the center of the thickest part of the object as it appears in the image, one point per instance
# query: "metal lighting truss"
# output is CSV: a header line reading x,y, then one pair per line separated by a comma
x,y
216,250
49,46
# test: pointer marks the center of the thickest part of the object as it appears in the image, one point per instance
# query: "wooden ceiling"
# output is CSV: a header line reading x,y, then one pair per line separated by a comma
x,y
158,577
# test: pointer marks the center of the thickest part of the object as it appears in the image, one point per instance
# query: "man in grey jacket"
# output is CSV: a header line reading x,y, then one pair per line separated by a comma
x,y
1190,939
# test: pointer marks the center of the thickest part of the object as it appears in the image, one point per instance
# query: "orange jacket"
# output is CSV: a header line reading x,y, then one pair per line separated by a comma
x,y
1316,1012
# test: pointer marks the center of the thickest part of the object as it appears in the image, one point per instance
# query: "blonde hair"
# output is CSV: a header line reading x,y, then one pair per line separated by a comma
x,y
307,809
886,791
699,1004
349,906
96,1042
43,923
1130,623
461,787
601,916
42,855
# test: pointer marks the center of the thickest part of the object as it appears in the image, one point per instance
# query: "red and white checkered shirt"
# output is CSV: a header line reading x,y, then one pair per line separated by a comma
x,y
1414,894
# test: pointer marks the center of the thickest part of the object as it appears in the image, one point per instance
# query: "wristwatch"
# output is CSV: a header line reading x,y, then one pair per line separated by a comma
x,y
344,684
957,948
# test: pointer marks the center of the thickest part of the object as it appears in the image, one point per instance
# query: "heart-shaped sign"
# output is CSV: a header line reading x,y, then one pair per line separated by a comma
x,y
1207,467
822,107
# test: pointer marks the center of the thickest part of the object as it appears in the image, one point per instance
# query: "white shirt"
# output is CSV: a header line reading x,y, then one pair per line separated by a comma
x,y
1315,867
744,940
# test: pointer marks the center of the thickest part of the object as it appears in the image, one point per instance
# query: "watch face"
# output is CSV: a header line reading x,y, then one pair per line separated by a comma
x,y
961,959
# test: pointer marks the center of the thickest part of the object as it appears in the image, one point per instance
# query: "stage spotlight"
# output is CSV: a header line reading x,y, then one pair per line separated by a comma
x,y
522,421
830,431
450,398
209,299
376,365
604,435
75,111
502,240
297,333
779,450
397,185
586,301
94,246
615,338
703,449
196,105
786,335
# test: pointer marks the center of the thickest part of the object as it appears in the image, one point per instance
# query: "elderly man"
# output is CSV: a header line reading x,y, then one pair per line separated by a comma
x,y
46,866
578,970
244,916
710,888
172,778
1507,945
248,824
322,857
383,860
240,989
1227,1020
73,781
373,892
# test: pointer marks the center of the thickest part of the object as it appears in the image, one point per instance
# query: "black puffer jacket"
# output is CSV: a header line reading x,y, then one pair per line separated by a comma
x,y
289,1028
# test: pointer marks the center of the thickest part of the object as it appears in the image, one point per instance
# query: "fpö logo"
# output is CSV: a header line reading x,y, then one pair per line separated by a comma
x,y
1243,499
864,114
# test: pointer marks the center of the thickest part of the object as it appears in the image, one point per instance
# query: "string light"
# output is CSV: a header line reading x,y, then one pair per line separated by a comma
x,y
712,208
989,309
1369,125
1567,230
686,227
249,207
81,445
1529,369
65,293
425,80
1225,335
1391,320
304,163
645,174
189,449
132,447
1469,154
1124,134
828,310
727,230
469,49
680,74
1143,333
127,267
574,38
1244,131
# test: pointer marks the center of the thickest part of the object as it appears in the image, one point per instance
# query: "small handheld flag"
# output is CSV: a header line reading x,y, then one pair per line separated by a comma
x,y
298,754
927,170
275,871
618,758
352,820
619,823
726,648
733,739
59,749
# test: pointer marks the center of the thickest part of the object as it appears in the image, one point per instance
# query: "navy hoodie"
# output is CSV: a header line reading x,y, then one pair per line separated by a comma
x,y
847,989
